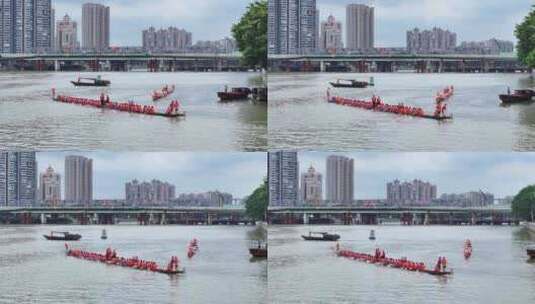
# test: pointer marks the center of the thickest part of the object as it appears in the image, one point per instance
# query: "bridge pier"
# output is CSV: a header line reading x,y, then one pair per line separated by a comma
x,y
322,66
43,218
426,219
163,220
209,219
305,218
57,66
415,220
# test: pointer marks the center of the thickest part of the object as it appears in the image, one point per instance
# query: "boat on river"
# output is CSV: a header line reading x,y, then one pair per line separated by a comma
x,y
321,236
172,111
234,94
380,258
260,94
258,249
467,249
352,83
372,235
110,257
518,96
62,236
91,82
104,235
163,92
379,106
531,251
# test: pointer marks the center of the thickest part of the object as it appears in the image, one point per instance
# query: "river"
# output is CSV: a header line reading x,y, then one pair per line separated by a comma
x,y
309,272
38,271
300,117
29,119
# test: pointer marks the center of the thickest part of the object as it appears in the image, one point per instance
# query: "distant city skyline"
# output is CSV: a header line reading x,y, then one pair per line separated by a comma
x,y
472,20
206,19
502,174
236,173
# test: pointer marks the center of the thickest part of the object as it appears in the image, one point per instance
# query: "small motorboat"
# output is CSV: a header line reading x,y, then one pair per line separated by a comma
x,y
258,249
352,83
103,235
531,252
62,236
372,235
91,82
321,236
517,96
260,94
234,94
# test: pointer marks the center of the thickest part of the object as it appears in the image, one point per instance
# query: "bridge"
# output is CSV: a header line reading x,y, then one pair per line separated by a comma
x,y
422,215
431,63
116,215
123,62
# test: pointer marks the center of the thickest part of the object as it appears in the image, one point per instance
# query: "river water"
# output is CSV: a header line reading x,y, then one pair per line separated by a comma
x,y
309,272
300,117
30,120
34,270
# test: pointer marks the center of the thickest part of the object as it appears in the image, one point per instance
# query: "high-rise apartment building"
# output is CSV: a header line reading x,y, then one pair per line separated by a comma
x,y
468,199
292,26
166,40
206,199
95,27
78,180
312,187
360,27
50,187
340,172
436,40
283,178
331,35
67,35
149,193
18,179
487,47
26,26
416,192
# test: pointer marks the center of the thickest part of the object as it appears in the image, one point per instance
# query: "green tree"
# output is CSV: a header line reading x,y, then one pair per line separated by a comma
x,y
524,203
525,33
251,34
257,203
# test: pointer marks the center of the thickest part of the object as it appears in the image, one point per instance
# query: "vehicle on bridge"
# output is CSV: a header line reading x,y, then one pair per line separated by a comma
x,y
321,236
62,236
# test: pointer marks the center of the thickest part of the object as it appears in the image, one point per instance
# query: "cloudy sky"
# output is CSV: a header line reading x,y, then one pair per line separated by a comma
x,y
206,19
502,174
470,19
236,173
